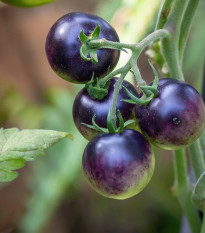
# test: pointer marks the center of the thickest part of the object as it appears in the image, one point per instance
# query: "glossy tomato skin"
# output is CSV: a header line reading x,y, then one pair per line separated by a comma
x,y
175,118
84,107
63,47
118,165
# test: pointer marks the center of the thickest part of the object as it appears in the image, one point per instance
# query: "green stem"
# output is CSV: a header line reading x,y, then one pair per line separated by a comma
x,y
183,190
102,81
186,25
197,158
156,35
163,13
203,222
136,48
136,71
176,14
107,44
113,116
169,50
170,44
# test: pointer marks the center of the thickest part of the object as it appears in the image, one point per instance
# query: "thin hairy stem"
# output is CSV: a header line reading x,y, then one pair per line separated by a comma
x,y
182,186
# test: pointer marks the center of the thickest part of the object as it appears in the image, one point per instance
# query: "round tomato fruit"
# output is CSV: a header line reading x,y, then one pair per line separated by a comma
x,y
175,118
118,165
63,47
85,107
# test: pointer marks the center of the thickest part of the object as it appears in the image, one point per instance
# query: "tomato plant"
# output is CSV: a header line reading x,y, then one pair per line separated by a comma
x,y
170,113
118,162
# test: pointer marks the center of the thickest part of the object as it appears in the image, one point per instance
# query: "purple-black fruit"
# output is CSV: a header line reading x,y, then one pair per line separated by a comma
x,y
63,47
175,118
118,165
84,107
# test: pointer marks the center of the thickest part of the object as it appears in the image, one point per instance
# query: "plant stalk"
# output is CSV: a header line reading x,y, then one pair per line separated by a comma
x,y
115,94
183,190
203,222
186,26
170,51
163,13
197,158
170,44
136,48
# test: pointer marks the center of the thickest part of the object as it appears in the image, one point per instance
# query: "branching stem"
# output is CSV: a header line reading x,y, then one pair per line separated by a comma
x,y
136,49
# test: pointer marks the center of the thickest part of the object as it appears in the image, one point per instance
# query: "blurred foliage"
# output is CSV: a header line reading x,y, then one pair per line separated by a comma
x,y
17,111
194,57
106,9
27,3
56,173
133,19
57,186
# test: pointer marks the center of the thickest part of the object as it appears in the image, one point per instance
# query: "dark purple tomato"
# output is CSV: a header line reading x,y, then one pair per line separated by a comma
x,y
84,107
175,118
118,165
63,47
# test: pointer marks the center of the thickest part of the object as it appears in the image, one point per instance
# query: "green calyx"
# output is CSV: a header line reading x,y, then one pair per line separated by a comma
x,y
87,53
110,127
149,92
96,89
88,50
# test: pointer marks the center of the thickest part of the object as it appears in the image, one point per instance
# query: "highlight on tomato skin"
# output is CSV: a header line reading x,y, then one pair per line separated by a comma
x,y
84,107
63,47
175,118
118,165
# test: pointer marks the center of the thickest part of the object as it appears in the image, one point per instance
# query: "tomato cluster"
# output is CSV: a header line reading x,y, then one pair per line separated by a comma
x,y
119,165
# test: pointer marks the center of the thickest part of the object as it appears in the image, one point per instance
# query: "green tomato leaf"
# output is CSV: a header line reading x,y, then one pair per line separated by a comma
x,y
198,194
27,3
17,147
6,167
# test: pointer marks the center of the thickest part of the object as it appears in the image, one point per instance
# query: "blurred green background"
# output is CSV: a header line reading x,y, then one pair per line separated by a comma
x,y
51,195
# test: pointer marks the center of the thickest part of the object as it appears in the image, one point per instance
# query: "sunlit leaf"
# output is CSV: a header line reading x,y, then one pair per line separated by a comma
x,y
17,147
